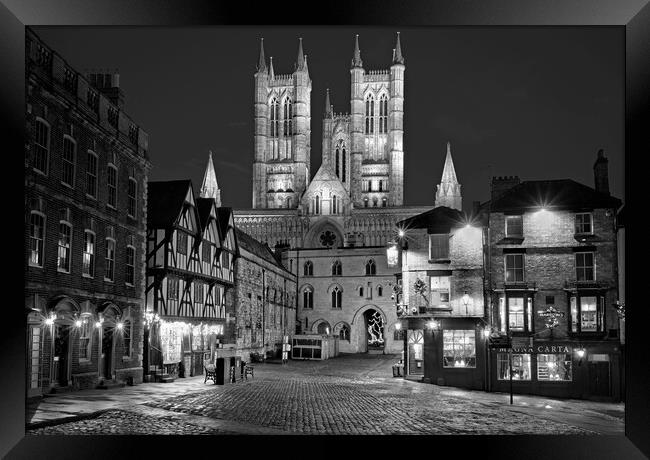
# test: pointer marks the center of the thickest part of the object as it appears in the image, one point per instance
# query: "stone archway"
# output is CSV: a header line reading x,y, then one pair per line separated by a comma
x,y
64,311
365,339
109,316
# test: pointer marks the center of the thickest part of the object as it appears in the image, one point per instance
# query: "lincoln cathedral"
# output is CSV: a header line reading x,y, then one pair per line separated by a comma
x,y
332,229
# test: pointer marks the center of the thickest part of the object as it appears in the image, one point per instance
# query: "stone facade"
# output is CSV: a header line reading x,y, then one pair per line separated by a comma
x,y
84,310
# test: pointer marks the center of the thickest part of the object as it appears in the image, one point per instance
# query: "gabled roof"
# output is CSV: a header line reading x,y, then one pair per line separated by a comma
x,y
204,206
257,248
554,194
224,216
165,201
438,220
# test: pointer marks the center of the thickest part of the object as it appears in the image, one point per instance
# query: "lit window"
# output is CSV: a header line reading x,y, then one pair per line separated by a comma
x,y
69,155
516,313
337,297
111,182
371,269
36,238
383,114
65,240
88,262
514,226
288,117
519,311
554,367
514,268
130,265
440,286
370,114
459,348
42,146
85,334
438,246
308,298
520,366
110,260
91,175
587,313
585,269
309,268
584,222
133,189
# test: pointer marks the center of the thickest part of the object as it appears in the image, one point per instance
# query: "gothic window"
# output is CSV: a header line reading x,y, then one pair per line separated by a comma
x,y
91,175
111,181
380,291
309,268
384,201
370,114
343,167
344,333
308,298
327,238
69,155
336,169
42,146
317,207
275,107
88,262
383,114
336,268
334,204
130,265
337,297
65,243
36,238
288,117
371,269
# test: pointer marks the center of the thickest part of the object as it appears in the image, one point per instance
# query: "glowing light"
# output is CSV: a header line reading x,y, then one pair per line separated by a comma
x,y
327,330
486,333
77,323
581,353
120,325
49,321
401,233
432,324
468,225
98,324
398,326
465,298
547,407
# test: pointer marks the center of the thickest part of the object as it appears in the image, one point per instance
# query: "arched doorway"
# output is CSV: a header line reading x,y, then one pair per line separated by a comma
x,y
108,320
374,326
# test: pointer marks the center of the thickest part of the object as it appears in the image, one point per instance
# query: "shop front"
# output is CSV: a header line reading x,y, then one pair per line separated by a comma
x,y
559,369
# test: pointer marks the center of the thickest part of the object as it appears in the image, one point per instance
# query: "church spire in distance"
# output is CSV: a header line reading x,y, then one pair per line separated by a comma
x,y
261,64
328,105
397,54
210,188
448,191
356,59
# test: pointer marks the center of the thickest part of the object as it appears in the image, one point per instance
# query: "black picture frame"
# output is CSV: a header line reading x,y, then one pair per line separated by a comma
x,y
633,15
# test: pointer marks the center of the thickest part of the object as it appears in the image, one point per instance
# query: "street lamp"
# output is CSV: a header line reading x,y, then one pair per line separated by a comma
x,y
466,302
392,254
398,326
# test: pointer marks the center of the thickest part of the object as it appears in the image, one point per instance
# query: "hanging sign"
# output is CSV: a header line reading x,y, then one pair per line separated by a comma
x,y
551,314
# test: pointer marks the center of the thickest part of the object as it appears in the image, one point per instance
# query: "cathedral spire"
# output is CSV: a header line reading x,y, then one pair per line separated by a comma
x,y
261,64
356,60
271,72
397,53
210,188
448,191
300,63
328,105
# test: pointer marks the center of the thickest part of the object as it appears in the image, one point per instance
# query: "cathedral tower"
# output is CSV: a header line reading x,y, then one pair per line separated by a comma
x,y
282,133
448,191
377,131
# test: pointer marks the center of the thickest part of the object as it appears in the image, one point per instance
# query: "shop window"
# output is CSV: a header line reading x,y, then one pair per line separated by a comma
x,y
514,226
85,333
520,366
587,313
514,268
440,286
585,267
584,223
459,348
439,246
554,367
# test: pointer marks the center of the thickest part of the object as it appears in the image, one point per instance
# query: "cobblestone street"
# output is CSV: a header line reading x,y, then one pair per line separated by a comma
x,y
353,394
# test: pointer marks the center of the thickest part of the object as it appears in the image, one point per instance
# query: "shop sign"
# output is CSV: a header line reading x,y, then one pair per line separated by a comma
x,y
543,349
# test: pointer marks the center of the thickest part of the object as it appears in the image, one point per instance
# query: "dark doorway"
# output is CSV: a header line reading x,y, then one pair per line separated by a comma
x,y
61,352
107,353
599,379
374,324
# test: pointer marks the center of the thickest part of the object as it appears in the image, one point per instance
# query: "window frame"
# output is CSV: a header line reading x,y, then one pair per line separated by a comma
x,y
337,298
585,267
43,218
575,324
591,223
514,268
37,146
444,252
371,267
132,266
503,361
64,160
111,189
455,345
86,327
308,268
90,153
337,268
127,339
67,224
92,262
108,262
308,298
556,355
519,217
133,199
527,314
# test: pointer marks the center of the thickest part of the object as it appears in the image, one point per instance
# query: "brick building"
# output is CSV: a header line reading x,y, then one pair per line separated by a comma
x,y
441,309
86,168
191,252
265,298
552,282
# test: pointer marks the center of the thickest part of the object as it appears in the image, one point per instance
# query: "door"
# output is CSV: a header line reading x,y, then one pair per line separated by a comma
x,y
415,340
34,361
61,358
599,379
107,353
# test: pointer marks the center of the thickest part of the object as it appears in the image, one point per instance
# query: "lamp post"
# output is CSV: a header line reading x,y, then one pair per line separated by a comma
x,y
466,302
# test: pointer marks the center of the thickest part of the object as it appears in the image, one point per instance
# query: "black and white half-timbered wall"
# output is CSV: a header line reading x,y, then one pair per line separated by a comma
x,y
190,260
86,168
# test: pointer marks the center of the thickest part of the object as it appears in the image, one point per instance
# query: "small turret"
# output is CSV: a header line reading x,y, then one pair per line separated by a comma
x,y
328,106
397,53
356,59
261,64
271,72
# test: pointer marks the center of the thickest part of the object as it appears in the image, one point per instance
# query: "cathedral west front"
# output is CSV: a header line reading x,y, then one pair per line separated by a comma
x,y
332,229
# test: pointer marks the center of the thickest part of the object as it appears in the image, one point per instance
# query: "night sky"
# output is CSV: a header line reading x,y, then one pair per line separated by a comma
x,y
533,102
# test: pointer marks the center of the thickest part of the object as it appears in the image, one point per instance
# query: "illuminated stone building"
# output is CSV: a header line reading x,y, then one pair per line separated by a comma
x,y
86,168
336,225
552,285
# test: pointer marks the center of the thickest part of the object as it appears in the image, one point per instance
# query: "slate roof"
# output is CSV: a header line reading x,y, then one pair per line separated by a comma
x,y
554,194
437,220
203,206
257,248
164,202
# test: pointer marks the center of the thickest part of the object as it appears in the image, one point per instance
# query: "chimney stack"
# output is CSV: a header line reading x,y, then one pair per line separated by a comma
x,y
502,184
601,174
109,85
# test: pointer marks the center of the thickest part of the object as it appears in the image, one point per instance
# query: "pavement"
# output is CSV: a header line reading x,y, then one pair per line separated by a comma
x,y
350,394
